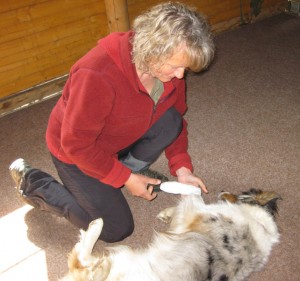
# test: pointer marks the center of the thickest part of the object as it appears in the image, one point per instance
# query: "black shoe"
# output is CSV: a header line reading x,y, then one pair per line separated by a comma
x,y
154,175
17,170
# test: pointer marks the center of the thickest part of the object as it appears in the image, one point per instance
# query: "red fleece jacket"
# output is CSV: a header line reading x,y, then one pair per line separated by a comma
x,y
104,109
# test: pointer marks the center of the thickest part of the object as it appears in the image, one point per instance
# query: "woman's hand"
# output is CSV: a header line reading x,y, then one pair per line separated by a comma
x,y
184,175
137,185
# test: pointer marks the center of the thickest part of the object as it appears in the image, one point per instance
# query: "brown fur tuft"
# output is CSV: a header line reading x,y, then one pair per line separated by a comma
x,y
73,261
265,197
226,196
196,224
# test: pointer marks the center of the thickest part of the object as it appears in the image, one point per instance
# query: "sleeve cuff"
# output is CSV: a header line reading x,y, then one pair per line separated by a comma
x,y
178,161
118,175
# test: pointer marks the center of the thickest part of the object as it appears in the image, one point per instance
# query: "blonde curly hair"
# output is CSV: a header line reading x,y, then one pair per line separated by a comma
x,y
163,28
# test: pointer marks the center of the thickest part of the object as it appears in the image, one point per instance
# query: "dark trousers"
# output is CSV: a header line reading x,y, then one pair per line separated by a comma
x,y
81,198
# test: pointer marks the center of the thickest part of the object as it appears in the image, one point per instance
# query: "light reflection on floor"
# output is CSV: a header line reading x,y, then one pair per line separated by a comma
x,y
18,254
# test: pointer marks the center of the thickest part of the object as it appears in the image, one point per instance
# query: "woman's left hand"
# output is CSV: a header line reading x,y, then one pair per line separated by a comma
x,y
185,176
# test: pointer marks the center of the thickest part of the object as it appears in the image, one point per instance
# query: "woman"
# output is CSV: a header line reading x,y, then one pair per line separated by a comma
x,y
121,107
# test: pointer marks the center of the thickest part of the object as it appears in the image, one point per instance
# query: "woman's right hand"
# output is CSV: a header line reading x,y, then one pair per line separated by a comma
x,y
141,186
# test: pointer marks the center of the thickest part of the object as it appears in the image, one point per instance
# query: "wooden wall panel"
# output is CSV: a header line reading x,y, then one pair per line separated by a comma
x,y
41,39
221,14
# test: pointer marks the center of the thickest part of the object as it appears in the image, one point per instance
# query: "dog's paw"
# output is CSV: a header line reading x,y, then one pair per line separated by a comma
x,y
166,214
164,219
98,223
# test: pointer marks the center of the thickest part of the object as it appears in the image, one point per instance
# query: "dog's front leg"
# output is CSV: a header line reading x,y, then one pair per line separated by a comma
x,y
166,214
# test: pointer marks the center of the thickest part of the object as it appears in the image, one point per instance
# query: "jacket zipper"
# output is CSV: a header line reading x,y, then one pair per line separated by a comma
x,y
159,100
164,99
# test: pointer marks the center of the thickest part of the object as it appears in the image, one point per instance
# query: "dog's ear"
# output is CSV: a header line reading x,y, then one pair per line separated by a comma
x,y
266,199
269,201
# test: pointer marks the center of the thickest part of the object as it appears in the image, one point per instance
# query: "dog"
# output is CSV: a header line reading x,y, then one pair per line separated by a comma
x,y
223,241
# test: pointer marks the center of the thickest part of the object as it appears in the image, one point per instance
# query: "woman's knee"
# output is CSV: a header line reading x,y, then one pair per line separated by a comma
x,y
168,127
173,122
116,232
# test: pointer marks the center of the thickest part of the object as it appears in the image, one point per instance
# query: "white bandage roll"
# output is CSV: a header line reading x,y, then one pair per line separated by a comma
x,y
179,188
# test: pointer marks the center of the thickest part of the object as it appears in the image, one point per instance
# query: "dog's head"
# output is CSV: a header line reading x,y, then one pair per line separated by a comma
x,y
265,199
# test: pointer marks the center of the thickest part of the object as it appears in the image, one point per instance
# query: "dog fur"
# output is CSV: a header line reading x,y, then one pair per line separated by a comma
x,y
220,242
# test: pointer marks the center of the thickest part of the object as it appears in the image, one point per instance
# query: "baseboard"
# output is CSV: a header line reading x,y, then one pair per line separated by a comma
x,y
32,95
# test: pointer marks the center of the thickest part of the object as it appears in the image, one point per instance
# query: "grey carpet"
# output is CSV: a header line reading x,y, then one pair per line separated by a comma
x,y
244,131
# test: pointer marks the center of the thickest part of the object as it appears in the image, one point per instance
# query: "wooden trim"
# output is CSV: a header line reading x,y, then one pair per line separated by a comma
x,y
117,15
32,95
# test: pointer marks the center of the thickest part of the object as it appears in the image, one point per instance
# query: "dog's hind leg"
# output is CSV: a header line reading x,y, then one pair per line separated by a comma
x,y
87,241
84,266
166,214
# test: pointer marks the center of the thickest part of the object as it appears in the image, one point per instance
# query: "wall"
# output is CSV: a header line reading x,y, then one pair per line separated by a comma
x,y
221,14
41,39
